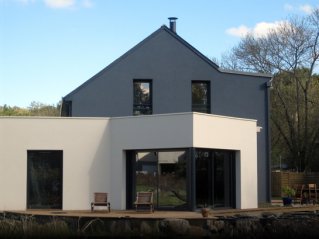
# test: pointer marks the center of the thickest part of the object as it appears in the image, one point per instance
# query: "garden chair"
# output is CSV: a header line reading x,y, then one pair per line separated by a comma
x,y
100,199
299,195
144,199
312,193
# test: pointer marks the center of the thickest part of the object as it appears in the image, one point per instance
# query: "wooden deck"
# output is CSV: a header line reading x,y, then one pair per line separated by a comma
x,y
167,214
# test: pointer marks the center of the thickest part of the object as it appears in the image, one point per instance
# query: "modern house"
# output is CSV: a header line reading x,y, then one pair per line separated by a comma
x,y
161,118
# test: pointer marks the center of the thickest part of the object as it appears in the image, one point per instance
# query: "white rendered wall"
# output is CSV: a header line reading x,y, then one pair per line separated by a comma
x,y
94,152
218,132
85,145
144,132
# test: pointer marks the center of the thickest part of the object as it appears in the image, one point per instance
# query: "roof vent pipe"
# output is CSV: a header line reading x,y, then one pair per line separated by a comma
x,y
172,23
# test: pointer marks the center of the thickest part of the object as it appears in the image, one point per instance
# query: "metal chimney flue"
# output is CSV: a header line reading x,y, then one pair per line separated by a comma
x,y
172,23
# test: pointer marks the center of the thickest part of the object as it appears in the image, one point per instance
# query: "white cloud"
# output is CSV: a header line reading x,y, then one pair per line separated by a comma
x,y
306,8
240,31
263,28
259,30
59,3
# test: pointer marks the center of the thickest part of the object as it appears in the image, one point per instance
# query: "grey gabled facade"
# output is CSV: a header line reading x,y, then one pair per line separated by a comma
x,y
171,65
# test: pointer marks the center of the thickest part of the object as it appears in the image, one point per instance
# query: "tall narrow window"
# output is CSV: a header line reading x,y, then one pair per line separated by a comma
x,y
142,97
44,179
201,96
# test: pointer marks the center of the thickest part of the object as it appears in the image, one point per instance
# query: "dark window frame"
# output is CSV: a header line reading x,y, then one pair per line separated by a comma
x,y
29,158
202,108
131,167
143,109
229,197
191,176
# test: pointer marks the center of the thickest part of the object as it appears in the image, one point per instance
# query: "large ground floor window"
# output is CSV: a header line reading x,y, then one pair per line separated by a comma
x,y
44,179
215,178
182,179
162,172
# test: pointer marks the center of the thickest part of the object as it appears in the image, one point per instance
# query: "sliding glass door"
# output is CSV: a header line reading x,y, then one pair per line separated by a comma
x,y
182,179
215,178
164,173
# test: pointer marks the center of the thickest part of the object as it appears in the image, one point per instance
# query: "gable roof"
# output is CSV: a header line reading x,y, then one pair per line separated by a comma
x,y
179,39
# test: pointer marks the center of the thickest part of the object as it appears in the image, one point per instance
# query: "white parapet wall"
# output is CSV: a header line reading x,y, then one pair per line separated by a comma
x,y
94,152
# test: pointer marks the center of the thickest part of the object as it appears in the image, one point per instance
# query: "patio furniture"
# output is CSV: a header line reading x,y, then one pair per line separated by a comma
x,y
297,198
300,193
312,193
144,199
100,199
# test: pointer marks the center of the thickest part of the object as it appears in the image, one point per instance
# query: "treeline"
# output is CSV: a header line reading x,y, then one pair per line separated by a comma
x,y
290,53
35,109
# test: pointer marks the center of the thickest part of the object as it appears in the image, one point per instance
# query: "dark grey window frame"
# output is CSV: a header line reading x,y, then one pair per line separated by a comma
x,y
202,108
29,153
191,171
229,199
131,177
143,109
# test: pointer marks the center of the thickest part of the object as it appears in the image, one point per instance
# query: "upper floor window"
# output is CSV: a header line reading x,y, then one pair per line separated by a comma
x,y
201,96
142,97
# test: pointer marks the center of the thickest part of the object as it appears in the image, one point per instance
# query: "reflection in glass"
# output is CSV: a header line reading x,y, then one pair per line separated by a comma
x,y
44,179
215,175
164,173
203,167
200,97
172,179
142,98
146,172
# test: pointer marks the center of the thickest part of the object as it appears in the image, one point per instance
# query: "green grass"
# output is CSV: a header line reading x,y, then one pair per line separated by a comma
x,y
165,197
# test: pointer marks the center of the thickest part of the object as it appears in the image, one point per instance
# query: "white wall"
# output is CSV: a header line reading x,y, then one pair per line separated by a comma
x,y
145,132
85,145
94,152
219,132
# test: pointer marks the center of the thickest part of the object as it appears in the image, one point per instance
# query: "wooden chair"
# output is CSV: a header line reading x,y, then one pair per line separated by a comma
x,y
299,195
144,199
312,193
100,199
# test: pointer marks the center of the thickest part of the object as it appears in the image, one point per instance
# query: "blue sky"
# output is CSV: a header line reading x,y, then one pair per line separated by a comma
x,y
50,47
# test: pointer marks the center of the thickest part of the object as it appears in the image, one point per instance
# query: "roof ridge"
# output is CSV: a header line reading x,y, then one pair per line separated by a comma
x,y
189,46
114,62
178,38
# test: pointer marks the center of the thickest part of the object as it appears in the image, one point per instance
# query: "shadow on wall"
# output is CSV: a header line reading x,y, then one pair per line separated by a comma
x,y
100,170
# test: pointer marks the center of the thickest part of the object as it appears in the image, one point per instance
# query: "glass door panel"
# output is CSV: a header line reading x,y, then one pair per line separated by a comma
x,y
203,177
214,178
164,173
172,179
146,173
219,179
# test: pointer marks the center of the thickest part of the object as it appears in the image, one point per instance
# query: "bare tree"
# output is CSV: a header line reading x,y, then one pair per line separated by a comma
x,y
290,52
